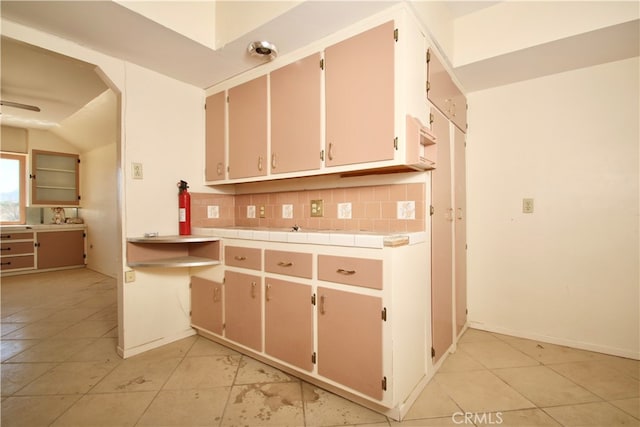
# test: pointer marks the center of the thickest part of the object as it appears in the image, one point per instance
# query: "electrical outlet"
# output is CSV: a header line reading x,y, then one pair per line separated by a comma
x,y
136,170
213,211
129,276
261,211
527,205
317,208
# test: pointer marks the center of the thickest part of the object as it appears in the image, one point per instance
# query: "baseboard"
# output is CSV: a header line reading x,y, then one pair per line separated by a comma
x,y
129,352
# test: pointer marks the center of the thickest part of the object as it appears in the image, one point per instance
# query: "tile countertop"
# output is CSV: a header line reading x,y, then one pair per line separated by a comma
x,y
315,237
43,227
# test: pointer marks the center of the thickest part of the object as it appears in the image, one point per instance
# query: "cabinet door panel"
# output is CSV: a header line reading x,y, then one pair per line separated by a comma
x,y
206,304
350,340
248,129
243,313
460,228
55,178
289,322
444,93
60,248
295,116
441,241
363,272
215,163
359,87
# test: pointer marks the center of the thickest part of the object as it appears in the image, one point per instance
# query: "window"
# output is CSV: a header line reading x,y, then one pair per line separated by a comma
x,y
12,188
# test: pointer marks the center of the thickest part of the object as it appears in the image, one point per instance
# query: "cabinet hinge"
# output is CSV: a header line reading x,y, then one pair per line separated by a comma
x,y
79,197
428,56
313,299
84,234
395,34
395,143
190,313
433,352
431,118
224,326
313,357
466,311
428,85
189,285
227,99
431,210
466,246
84,256
322,64
78,161
322,155
384,383
384,314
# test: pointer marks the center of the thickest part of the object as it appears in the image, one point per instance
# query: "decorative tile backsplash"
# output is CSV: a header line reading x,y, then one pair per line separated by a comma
x,y
381,208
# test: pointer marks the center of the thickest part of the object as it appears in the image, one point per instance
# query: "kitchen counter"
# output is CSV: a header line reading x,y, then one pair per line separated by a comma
x,y
43,227
360,239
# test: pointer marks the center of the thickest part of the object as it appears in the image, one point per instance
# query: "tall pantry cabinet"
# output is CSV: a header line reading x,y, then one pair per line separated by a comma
x,y
448,220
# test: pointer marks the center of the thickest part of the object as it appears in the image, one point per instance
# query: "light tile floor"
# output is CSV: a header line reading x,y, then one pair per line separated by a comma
x,y
59,368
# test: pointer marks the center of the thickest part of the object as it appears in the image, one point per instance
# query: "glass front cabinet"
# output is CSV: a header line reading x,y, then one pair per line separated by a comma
x,y
54,178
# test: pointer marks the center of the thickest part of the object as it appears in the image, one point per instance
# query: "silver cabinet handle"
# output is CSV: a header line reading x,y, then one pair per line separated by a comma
x,y
219,168
267,293
322,302
260,163
330,153
253,289
240,258
273,160
345,272
216,294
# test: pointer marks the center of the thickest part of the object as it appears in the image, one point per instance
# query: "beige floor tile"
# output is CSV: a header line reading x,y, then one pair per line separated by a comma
x,y
550,353
591,414
206,347
29,315
522,418
433,402
600,379
34,411
51,350
109,312
629,367
7,328
9,348
278,404
459,362
137,375
497,354
17,375
108,410
428,422
251,371
68,378
322,408
39,330
88,329
71,315
545,387
630,406
481,391
476,335
174,350
203,372
181,408
102,349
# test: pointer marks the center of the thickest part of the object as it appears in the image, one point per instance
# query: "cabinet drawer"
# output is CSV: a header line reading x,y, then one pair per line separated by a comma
x,y
16,248
351,271
15,262
238,256
290,263
9,236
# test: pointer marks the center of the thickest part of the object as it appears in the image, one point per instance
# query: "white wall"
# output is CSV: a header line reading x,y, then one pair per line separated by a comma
x,y
100,208
568,273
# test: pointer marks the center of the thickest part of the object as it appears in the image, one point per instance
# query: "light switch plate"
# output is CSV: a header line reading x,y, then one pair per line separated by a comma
x,y
527,205
136,170
317,208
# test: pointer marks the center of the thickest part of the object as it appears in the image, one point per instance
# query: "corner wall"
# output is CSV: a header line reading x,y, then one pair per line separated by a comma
x,y
568,273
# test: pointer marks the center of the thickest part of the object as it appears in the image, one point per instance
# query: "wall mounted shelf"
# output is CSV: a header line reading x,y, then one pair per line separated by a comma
x,y
173,251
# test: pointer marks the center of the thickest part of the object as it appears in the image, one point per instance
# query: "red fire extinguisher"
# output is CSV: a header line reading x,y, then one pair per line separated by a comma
x,y
184,209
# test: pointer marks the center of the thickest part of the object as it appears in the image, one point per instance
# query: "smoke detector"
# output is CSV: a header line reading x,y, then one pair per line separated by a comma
x,y
263,49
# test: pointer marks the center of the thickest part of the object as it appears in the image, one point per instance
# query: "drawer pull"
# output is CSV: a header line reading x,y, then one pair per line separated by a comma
x,y
285,264
216,294
253,289
267,293
345,272
240,258
322,299
5,249
5,236
6,263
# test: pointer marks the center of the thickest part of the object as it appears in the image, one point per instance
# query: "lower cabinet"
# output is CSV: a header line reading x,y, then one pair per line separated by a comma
x,y
350,340
243,309
289,322
206,305
60,248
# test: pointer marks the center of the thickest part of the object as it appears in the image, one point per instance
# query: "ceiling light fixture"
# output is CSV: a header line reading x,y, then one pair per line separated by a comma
x,y
263,49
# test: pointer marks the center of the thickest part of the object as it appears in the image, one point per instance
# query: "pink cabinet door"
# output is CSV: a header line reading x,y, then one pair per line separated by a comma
x,y
248,129
289,322
441,241
60,248
350,340
359,88
295,116
214,137
243,309
460,196
206,305
444,93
